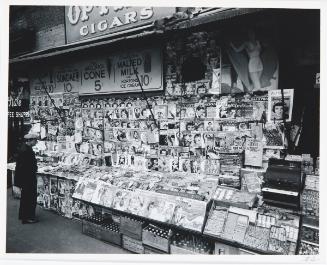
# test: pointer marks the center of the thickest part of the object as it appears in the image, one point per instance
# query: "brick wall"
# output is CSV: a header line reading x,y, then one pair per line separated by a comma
x,y
46,23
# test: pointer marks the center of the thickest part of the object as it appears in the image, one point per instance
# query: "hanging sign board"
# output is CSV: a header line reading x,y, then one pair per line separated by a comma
x,y
115,74
85,22
103,75
41,80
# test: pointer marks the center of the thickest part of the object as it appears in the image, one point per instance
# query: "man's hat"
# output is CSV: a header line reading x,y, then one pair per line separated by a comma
x,y
31,136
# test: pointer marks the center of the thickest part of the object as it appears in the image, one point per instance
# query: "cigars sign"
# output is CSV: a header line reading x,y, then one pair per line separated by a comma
x,y
84,22
103,75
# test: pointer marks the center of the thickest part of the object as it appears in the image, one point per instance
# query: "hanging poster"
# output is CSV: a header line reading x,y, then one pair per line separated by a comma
x,y
250,62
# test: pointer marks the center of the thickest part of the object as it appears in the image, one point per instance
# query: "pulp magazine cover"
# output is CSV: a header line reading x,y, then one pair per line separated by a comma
x,y
273,136
277,109
189,213
253,153
80,187
159,207
121,199
89,190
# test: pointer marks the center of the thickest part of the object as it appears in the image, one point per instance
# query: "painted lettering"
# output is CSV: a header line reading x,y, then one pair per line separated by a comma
x,y
116,23
146,13
83,31
85,11
103,25
73,14
130,17
104,10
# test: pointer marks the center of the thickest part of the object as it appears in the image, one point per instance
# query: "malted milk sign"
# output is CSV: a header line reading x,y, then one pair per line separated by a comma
x,y
84,22
103,74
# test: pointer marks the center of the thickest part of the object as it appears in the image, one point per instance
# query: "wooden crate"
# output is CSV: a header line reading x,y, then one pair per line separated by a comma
x,y
178,250
132,245
110,236
91,229
224,249
131,227
155,241
150,250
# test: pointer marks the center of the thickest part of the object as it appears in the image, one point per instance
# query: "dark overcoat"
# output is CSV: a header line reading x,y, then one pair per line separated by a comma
x,y
25,178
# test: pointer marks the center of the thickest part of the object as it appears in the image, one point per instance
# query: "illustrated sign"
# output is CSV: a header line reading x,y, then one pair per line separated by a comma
x,y
85,22
115,74
103,75
18,97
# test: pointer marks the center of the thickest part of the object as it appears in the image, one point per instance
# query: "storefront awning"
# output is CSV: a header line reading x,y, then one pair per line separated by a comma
x,y
95,42
158,27
213,15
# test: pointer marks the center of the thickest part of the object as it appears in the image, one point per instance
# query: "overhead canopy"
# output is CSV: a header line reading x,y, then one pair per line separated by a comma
x,y
159,27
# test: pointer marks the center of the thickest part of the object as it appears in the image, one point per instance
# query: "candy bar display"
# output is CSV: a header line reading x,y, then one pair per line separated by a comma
x,y
235,227
308,249
310,202
216,221
310,234
257,237
229,196
310,196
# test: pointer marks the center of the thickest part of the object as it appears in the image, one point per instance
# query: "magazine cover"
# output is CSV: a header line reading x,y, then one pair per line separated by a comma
x,y
121,200
46,201
253,153
53,185
210,125
165,163
251,180
159,208
277,109
40,184
54,202
216,82
211,110
160,112
197,140
273,136
189,213
184,165
61,186
172,109
80,187
105,195
153,163
137,203
163,138
89,190
202,87
222,106
172,138
212,166
200,110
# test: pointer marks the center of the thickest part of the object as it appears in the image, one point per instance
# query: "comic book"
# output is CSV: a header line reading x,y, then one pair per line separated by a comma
x,y
89,189
189,213
273,137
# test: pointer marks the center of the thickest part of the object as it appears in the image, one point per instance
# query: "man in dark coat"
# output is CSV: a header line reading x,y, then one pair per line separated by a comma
x,y
25,178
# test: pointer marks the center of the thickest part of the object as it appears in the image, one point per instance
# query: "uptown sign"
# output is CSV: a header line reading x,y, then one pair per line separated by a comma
x,y
83,22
